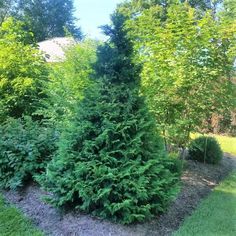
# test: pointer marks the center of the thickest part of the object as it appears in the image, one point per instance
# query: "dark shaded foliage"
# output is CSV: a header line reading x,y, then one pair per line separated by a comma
x,y
48,18
205,149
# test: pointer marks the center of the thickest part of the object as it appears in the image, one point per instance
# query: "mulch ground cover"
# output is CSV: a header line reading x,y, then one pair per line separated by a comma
x,y
197,182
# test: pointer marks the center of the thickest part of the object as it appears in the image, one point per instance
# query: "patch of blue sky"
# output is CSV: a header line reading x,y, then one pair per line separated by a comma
x,y
94,13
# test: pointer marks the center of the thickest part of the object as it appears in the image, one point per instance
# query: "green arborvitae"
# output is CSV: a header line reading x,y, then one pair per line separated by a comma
x,y
111,162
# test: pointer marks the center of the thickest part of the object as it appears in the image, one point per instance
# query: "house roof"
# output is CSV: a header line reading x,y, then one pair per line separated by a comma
x,y
54,49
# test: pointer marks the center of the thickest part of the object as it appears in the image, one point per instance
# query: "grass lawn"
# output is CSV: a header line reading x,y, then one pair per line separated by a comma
x,y
228,144
216,215
13,223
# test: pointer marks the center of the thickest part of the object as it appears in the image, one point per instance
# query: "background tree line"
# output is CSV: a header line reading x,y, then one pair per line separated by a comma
x,y
44,18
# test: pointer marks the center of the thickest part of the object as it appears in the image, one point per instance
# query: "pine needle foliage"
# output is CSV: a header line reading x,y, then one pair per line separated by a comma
x,y
110,161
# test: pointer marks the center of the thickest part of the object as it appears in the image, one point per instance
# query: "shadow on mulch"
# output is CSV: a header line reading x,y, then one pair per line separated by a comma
x,y
197,182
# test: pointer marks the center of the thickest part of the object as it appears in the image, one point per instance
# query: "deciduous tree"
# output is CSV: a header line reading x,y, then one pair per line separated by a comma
x,y
68,81
187,63
22,71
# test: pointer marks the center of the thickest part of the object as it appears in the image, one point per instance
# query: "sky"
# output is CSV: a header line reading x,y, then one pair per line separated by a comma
x,y
94,13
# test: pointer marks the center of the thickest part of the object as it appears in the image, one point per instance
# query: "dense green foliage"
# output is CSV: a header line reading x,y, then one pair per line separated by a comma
x,y
68,80
110,161
5,9
25,148
48,18
230,9
22,72
187,66
12,222
227,143
167,67
198,4
205,149
45,18
178,164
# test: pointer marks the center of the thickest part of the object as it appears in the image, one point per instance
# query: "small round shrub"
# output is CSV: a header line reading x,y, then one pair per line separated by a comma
x,y
205,149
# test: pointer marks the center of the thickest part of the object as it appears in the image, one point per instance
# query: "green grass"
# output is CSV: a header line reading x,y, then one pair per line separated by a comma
x,y
216,215
228,144
13,223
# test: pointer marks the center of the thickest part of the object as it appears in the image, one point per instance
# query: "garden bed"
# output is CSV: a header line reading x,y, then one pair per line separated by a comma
x,y
197,182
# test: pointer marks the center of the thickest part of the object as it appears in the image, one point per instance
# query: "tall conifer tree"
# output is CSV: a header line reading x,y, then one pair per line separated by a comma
x,y
48,18
110,162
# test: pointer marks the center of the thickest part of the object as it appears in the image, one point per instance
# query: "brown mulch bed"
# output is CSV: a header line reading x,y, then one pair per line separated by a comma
x,y
198,180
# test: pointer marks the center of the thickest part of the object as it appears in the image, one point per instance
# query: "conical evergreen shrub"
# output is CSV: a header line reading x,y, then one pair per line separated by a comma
x,y
110,162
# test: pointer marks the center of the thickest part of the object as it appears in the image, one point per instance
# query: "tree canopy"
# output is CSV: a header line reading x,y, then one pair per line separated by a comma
x,y
6,7
67,82
22,71
187,65
48,18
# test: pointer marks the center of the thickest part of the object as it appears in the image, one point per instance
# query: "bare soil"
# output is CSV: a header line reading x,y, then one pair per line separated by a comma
x,y
198,180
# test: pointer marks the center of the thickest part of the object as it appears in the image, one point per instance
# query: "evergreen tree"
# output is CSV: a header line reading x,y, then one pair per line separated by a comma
x,y
48,18
111,161
6,9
